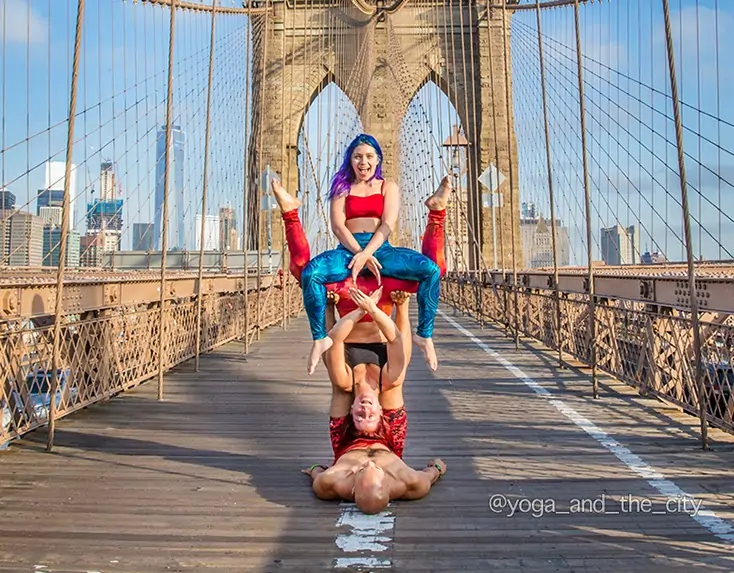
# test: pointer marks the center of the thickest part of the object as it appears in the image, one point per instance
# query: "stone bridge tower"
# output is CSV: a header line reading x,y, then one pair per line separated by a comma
x,y
380,56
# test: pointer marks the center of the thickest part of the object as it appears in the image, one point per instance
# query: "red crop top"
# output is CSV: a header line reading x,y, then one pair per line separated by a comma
x,y
369,206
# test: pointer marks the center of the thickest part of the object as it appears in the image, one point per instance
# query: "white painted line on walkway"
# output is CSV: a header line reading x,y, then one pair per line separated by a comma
x,y
367,535
721,528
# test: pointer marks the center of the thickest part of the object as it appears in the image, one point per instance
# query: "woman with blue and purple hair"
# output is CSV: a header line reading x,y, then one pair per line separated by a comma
x,y
364,211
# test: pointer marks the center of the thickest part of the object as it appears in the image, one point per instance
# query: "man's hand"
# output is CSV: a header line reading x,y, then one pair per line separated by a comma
x,y
366,303
362,259
314,470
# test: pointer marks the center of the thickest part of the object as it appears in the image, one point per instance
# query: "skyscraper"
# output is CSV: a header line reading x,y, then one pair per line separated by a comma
x,y
536,236
51,247
176,205
52,195
211,233
7,200
226,228
620,245
528,210
107,181
104,215
143,237
23,240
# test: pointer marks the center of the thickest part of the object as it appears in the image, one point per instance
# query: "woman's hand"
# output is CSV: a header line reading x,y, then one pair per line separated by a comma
x,y
362,259
365,302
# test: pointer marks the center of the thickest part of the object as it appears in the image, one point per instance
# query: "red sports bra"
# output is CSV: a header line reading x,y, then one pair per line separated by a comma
x,y
373,205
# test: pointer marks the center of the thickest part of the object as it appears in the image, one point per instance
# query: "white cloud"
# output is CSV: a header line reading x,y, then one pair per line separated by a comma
x,y
20,23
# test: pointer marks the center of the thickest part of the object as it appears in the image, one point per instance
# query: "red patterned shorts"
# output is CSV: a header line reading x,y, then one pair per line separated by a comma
x,y
396,426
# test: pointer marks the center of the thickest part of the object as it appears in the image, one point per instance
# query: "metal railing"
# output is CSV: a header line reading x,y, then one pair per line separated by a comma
x,y
643,343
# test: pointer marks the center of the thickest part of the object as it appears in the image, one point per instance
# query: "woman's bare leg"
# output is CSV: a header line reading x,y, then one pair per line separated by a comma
x,y
402,320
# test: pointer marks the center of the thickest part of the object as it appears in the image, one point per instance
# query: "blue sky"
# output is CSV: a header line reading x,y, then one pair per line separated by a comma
x,y
123,86
630,129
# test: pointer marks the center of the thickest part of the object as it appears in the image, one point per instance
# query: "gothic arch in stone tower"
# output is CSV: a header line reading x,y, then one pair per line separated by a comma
x,y
380,61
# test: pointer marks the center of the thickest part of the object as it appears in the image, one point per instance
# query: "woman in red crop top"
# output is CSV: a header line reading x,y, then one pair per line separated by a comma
x,y
364,211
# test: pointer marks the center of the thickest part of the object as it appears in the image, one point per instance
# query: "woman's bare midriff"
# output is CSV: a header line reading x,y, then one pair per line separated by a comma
x,y
363,225
364,332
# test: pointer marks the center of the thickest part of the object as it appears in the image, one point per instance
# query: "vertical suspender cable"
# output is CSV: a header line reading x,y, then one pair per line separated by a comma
x,y
166,180
246,187
702,402
587,201
56,356
554,241
505,32
207,135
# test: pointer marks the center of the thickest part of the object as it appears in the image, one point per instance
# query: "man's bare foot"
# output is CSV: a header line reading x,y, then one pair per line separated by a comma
x,y
439,200
319,347
332,297
426,345
399,296
285,200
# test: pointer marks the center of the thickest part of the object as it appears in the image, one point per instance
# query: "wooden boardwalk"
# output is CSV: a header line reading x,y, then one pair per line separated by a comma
x,y
208,479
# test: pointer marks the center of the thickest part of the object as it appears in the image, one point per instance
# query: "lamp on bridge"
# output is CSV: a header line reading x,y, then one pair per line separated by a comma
x,y
456,146
453,144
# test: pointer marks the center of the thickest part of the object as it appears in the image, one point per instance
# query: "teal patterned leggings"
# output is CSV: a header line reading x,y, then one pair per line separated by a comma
x,y
397,262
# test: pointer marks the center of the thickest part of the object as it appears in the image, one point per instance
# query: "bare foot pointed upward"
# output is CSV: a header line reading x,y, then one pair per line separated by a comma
x,y
399,296
426,345
439,200
319,347
285,200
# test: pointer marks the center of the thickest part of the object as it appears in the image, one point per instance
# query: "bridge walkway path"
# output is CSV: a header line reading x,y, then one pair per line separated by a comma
x,y
208,478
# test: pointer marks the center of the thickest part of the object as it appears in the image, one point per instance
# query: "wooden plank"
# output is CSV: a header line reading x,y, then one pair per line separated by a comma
x,y
208,478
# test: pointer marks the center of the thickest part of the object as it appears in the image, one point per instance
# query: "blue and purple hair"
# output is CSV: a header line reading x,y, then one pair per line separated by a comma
x,y
342,181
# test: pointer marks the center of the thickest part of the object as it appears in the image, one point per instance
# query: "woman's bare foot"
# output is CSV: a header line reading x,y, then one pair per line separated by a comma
x,y
399,296
426,345
439,200
332,297
285,200
319,347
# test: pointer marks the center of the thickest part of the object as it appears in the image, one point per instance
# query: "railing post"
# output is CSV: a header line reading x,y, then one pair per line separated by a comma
x,y
202,235
505,32
702,401
166,180
587,201
65,214
554,241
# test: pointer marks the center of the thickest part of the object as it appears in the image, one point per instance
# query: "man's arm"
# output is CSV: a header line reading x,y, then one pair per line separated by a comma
x,y
418,483
323,483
